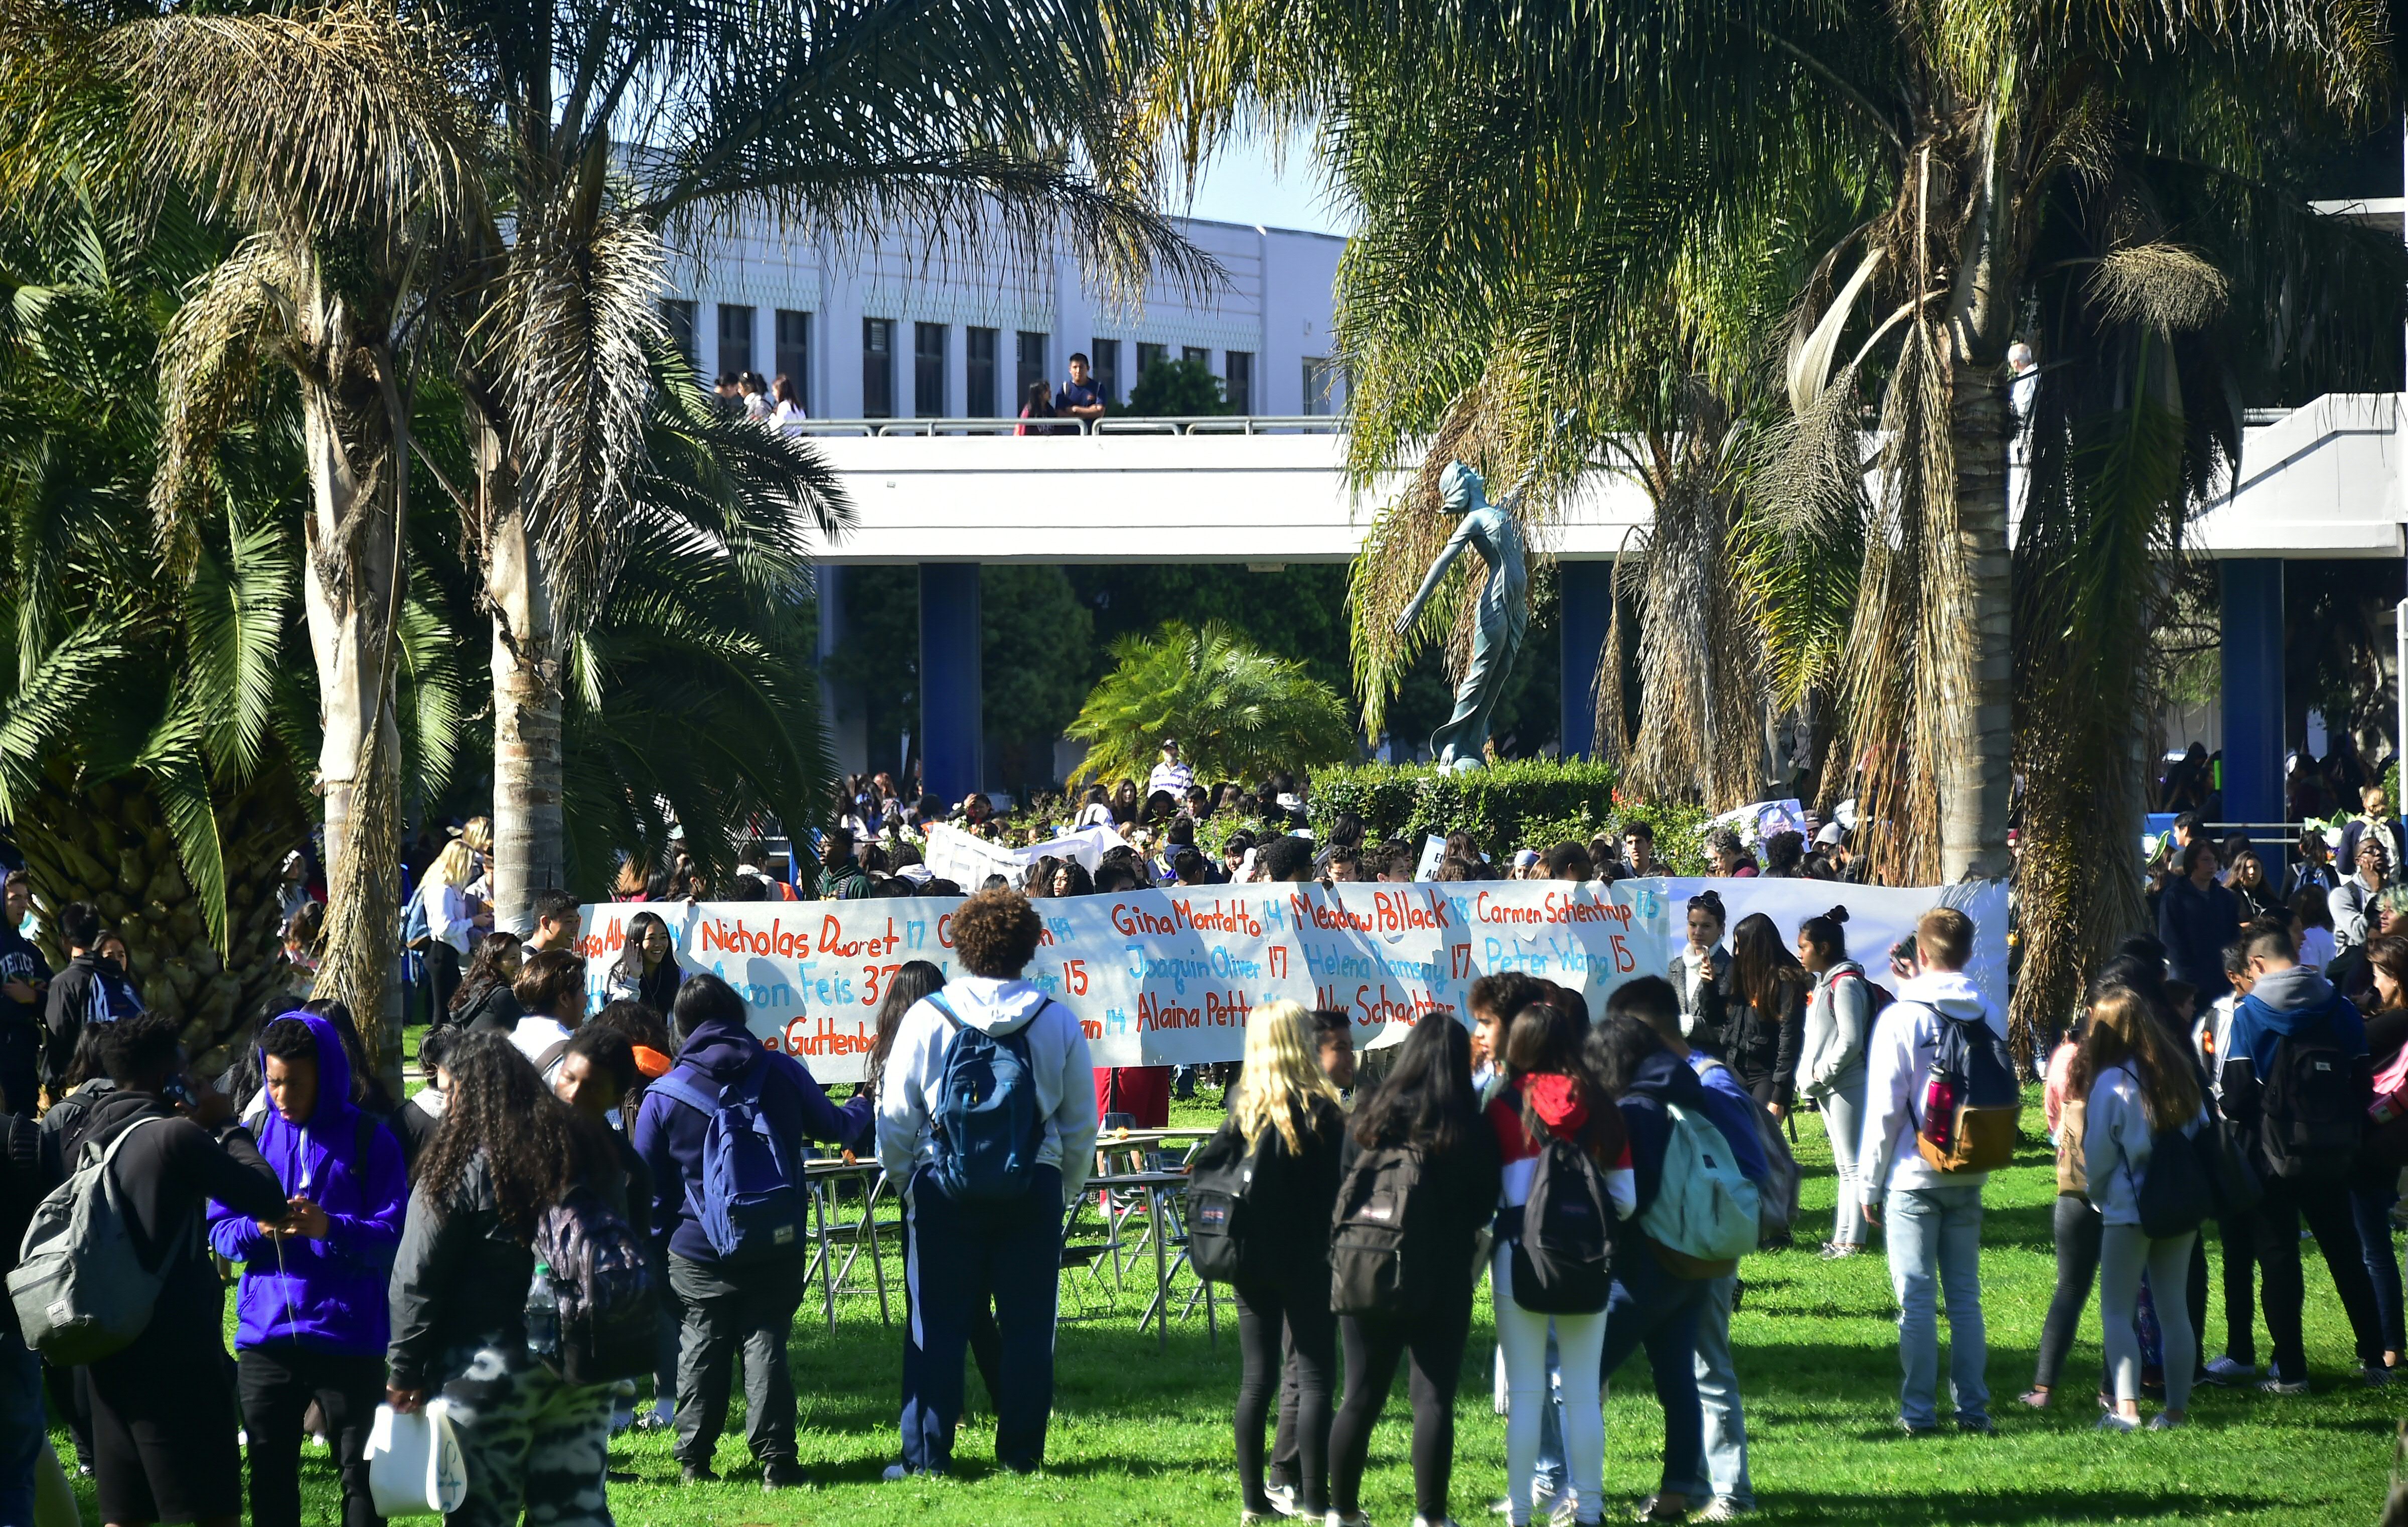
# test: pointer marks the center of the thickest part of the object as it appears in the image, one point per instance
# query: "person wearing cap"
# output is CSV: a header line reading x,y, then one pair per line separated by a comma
x,y
1171,773
1838,854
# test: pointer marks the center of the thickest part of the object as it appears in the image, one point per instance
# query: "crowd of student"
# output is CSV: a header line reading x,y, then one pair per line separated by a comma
x,y
1606,1172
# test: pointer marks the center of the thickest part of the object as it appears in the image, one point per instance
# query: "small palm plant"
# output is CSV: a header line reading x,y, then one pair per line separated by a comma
x,y
1238,712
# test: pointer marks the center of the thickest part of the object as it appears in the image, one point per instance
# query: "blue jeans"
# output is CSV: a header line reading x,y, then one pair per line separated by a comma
x,y
23,1429
1549,1473
1725,1458
1934,1235
1650,1307
2372,1209
958,1253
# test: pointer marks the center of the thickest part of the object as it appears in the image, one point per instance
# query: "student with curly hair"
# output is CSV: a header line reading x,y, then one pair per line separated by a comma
x,y
971,1231
506,1151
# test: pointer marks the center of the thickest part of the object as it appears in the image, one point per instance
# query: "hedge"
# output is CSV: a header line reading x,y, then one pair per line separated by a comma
x,y
1522,803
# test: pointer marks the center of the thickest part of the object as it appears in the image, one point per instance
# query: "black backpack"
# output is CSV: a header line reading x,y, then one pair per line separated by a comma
x,y
2312,1112
1562,1259
603,1289
2178,1190
1219,1220
1380,1259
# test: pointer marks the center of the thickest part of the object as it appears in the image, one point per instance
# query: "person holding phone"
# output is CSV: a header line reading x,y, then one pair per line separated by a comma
x,y
311,1316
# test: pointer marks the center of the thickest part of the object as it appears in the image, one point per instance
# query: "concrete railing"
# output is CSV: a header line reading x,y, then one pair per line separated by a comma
x,y
1183,424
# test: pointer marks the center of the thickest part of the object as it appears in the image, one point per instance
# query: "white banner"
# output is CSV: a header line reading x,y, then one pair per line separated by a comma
x,y
966,859
1165,976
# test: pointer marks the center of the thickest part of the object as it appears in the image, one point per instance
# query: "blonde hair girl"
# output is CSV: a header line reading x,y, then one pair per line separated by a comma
x,y
1281,1076
1288,1119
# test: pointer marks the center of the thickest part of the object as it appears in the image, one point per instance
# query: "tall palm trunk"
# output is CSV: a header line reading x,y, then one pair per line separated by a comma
x,y
1977,724
528,830
355,434
350,578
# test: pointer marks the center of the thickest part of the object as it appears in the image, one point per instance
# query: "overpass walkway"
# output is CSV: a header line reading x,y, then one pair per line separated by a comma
x,y
946,494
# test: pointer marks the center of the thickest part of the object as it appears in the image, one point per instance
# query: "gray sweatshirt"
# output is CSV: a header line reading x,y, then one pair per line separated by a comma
x,y
2115,1144
1839,1020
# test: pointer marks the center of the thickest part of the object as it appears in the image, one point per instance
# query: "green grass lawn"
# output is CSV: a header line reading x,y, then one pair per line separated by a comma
x,y
1143,1436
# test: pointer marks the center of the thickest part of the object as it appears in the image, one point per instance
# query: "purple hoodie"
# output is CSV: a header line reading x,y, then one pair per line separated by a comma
x,y
330,1294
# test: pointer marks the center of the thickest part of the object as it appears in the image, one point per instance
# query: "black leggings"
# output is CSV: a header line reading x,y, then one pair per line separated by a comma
x,y
2077,1271
2240,1289
1300,1306
1374,1344
442,964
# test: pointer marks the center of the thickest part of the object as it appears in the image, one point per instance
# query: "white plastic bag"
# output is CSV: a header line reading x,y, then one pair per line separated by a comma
x,y
415,1465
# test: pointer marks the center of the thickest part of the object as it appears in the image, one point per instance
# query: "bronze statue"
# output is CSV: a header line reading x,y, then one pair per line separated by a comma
x,y
1502,617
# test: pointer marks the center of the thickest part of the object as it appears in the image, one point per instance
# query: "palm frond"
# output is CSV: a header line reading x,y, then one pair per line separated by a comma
x,y
342,115
236,610
179,776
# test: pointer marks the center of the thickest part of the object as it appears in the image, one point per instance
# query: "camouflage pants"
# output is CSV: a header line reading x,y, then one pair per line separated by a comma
x,y
531,1441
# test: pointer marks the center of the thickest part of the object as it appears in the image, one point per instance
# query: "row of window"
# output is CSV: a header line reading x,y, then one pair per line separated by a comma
x,y
928,357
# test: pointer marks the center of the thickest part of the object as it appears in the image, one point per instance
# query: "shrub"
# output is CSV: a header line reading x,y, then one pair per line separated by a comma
x,y
1522,803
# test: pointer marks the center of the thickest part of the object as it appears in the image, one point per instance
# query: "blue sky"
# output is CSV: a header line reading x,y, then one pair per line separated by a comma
x,y
1241,186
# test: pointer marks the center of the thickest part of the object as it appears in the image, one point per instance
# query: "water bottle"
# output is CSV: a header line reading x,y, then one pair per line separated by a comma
x,y
542,1315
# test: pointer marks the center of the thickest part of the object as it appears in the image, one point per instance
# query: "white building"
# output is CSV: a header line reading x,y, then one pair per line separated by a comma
x,y
901,329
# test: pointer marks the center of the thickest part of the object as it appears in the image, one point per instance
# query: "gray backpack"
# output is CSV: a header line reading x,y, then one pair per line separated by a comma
x,y
80,1291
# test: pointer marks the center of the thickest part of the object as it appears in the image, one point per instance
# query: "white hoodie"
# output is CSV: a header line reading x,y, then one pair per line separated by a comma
x,y
1057,1061
1896,1059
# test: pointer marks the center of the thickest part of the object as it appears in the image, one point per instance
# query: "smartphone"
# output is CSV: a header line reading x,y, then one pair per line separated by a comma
x,y
176,1094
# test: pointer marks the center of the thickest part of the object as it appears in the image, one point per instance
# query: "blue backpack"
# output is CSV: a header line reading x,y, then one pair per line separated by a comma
x,y
747,1195
987,1127
415,932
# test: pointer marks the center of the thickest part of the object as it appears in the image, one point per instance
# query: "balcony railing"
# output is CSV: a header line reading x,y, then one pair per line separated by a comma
x,y
1315,423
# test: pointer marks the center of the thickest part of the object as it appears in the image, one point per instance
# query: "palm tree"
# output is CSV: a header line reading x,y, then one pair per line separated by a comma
x,y
691,699
1238,712
1938,142
532,158
151,726
335,139
614,128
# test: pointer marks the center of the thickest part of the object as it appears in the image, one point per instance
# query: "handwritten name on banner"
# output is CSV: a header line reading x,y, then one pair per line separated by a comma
x,y
1162,976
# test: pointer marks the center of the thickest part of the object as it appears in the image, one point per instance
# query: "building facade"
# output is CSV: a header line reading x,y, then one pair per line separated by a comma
x,y
903,327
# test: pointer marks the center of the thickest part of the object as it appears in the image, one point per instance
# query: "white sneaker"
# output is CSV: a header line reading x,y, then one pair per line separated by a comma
x,y
2110,1421
1283,1498
2226,1371
895,1472
2163,1422
1545,1504
1722,1508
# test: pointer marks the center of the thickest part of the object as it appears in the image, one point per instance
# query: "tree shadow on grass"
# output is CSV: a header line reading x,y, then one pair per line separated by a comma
x,y
1972,1507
